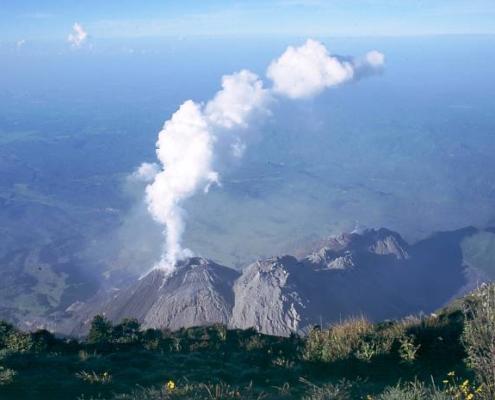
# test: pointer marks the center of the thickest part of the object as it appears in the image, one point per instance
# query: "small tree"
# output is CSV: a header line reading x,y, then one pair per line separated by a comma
x,y
127,331
43,340
100,331
5,330
151,339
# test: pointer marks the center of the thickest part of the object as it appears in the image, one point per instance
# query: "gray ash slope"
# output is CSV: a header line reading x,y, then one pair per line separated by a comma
x,y
199,292
375,274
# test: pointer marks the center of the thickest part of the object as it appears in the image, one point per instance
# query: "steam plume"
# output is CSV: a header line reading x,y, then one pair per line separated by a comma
x,y
194,141
186,151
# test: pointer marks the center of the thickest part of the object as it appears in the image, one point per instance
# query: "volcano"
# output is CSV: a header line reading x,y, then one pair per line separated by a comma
x,y
375,274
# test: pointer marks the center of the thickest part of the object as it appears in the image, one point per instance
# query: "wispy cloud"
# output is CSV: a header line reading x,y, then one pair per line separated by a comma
x,y
20,43
38,15
78,36
208,23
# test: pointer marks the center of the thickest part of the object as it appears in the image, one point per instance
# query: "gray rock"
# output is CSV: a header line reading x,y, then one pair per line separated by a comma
x,y
269,297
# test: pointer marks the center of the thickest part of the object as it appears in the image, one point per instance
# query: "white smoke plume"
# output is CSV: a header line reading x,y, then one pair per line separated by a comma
x,y
186,149
193,142
78,36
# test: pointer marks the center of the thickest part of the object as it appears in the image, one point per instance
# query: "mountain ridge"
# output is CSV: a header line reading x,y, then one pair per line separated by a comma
x,y
375,273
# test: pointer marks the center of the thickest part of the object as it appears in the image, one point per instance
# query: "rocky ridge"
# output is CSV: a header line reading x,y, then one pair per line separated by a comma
x,y
375,274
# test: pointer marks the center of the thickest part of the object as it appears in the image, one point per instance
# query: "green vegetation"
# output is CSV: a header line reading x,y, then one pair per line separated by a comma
x,y
479,337
446,356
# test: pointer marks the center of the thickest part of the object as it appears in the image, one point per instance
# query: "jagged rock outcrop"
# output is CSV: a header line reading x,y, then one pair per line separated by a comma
x,y
269,296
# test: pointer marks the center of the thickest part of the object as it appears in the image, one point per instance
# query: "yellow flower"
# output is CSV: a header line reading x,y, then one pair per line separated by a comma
x,y
451,373
470,396
170,385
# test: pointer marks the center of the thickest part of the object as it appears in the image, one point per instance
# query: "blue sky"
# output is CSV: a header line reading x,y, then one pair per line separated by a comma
x,y
52,20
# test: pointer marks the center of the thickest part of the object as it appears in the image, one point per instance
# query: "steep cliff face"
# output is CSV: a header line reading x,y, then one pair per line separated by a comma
x,y
375,274
270,296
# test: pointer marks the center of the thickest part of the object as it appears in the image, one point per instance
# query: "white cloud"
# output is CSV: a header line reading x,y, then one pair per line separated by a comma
x,y
372,63
78,36
20,43
307,70
375,59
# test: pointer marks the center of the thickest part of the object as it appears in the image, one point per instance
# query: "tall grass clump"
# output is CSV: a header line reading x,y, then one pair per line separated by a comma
x,y
479,337
342,390
412,391
187,391
338,342
357,338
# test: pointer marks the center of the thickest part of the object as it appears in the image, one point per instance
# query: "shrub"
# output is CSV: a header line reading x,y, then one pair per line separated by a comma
x,y
367,350
411,391
7,375
127,331
42,340
339,391
101,330
151,339
407,349
15,341
5,330
254,343
18,342
92,377
479,337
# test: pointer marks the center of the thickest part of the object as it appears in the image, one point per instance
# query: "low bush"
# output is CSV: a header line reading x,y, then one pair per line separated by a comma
x,y
7,376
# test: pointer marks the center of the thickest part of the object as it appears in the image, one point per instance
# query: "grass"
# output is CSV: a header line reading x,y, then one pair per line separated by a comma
x,y
417,358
